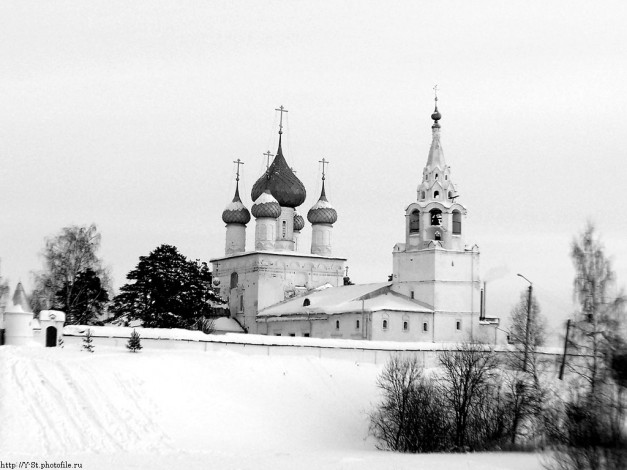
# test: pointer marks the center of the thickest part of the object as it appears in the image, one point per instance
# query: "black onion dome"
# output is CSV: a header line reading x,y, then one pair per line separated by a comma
x,y
436,116
236,212
299,222
288,190
266,206
322,211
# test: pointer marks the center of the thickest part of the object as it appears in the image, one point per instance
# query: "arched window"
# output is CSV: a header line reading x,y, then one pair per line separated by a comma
x,y
450,194
284,229
405,326
337,324
422,195
457,223
436,176
414,222
233,280
306,303
436,194
438,235
385,324
436,216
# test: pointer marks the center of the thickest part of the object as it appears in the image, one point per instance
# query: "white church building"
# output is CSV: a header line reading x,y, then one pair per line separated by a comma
x,y
434,293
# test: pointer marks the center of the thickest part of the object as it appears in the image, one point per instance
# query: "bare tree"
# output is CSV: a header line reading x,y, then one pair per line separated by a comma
x,y
592,432
525,344
597,329
389,422
66,256
412,416
468,374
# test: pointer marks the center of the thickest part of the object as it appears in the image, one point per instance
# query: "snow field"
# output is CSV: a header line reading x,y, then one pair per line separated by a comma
x,y
188,409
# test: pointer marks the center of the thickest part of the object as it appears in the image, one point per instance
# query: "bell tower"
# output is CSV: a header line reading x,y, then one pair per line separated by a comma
x,y
434,264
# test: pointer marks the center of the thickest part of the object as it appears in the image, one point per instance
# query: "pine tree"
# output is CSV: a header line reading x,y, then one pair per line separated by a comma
x,y
134,342
88,341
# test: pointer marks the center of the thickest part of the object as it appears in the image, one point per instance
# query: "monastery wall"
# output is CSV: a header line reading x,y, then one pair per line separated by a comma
x,y
373,352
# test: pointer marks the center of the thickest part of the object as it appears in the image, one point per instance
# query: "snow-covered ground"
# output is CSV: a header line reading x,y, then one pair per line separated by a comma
x,y
188,409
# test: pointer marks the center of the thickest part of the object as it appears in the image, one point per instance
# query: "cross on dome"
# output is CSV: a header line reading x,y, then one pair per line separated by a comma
x,y
282,110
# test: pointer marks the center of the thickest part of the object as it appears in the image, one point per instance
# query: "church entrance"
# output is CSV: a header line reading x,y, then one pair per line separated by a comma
x,y
51,337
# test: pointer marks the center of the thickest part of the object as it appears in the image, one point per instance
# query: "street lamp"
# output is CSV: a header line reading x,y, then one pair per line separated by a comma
x,y
528,319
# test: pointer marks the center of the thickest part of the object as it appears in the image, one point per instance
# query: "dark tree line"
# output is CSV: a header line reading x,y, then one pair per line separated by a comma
x,y
166,290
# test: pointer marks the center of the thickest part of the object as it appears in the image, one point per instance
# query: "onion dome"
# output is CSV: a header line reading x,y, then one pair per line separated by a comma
x,y
299,222
266,206
436,116
322,211
288,190
236,212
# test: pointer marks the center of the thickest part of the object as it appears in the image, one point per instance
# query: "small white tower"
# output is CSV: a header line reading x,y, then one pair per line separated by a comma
x,y
322,216
236,216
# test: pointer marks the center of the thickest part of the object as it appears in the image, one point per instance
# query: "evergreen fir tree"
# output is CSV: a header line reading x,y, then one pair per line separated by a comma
x,y
134,342
88,342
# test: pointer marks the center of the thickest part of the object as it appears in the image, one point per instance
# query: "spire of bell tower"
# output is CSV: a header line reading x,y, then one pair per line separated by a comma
x,y
436,155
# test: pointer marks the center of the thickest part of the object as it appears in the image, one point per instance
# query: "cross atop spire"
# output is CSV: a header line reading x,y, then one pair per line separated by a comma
x,y
282,110
324,162
435,91
238,162
268,154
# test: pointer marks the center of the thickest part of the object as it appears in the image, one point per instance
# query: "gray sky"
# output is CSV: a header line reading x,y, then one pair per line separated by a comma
x,y
129,115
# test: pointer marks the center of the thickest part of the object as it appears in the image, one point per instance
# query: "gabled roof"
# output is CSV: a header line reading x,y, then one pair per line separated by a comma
x,y
346,299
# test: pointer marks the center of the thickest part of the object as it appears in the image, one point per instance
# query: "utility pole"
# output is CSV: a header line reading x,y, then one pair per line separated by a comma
x,y
528,322
561,376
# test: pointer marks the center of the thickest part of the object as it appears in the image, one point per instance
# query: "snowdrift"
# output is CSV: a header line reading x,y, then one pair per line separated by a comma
x,y
187,409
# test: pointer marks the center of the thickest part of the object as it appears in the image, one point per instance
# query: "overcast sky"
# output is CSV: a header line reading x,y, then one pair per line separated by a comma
x,y
130,114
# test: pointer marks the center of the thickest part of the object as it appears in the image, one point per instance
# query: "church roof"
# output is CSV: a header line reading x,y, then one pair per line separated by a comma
x,y
19,298
286,188
299,222
346,299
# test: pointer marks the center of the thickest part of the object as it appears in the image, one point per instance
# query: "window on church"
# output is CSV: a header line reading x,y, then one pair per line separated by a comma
x,y
284,229
436,216
436,194
422,195
241,302
306,302
233,280
357,324
292,334
438,236
411,294
458,325
414,222
385,324
306,335
337,324
457,223
405,326
277,334
446,177
425,326
436,176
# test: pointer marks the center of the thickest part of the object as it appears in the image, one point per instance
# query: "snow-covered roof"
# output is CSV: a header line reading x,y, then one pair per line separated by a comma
x,y
225,324
346,299
51,315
